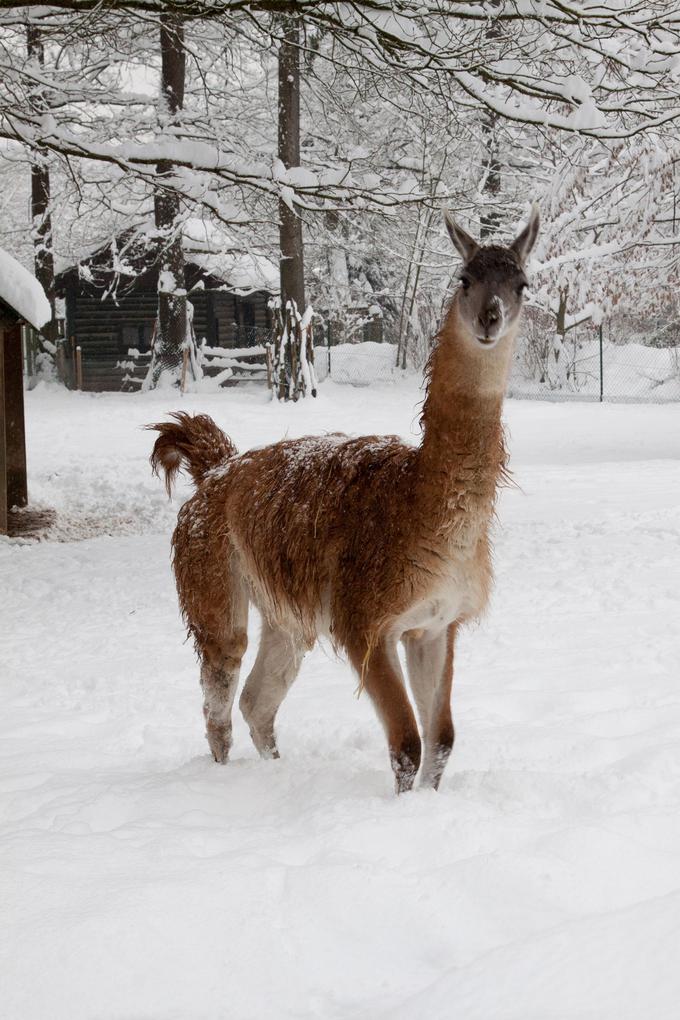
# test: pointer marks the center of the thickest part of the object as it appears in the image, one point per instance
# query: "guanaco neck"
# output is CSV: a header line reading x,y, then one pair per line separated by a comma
x,y
462,456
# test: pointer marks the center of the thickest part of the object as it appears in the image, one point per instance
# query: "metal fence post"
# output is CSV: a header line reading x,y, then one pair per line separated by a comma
x,y
328,346
601,367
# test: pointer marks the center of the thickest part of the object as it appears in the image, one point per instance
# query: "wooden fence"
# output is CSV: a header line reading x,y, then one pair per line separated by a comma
x,y
225,366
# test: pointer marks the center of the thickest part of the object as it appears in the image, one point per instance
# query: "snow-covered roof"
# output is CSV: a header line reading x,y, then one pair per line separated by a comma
x,y
207,246
211,249
22,292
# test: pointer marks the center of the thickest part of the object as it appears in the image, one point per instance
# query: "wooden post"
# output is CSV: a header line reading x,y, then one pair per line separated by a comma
x,y
79,368
185,361
268,356
13,483
27,352
61,363
310,355
3,438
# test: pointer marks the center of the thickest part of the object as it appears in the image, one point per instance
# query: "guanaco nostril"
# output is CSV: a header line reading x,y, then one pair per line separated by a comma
x,y
489,317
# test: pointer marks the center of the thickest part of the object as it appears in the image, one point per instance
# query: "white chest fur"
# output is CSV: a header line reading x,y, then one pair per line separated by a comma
x,y
461,596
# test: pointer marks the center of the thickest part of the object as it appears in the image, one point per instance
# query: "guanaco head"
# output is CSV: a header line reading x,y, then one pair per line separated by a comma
x,y
492,280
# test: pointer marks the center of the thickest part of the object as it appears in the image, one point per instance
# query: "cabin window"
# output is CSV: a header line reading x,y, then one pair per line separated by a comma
x,y
145,336
248,320
129,338
136,336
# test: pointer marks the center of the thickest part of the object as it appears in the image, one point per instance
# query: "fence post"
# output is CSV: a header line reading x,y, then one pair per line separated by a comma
x,y
61,365
328,346
79,368
13,491
185,362
268,358
601,367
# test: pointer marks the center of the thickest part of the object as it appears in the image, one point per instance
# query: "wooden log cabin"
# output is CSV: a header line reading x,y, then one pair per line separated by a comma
x,y
111,302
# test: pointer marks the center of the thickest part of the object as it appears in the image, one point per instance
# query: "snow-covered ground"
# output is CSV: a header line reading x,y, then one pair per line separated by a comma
x,y
140,880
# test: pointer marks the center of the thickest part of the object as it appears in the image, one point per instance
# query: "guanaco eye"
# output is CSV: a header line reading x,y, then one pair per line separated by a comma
x,y
465,282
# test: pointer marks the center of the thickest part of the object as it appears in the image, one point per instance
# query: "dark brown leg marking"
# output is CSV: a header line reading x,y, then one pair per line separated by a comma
x,y
385,684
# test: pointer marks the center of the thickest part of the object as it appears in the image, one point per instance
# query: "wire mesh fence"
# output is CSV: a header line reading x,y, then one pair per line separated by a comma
x,y
605,363
359,364
590,364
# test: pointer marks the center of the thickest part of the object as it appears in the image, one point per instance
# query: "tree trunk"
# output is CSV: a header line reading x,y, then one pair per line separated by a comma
x,y
491,167
491,189
41,219
290,225
171,326
558,375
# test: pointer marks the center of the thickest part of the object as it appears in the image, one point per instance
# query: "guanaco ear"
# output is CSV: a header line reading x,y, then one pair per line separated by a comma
x,y
466,245
525,241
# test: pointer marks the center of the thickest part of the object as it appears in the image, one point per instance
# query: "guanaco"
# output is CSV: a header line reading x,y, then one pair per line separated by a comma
x,y
367,540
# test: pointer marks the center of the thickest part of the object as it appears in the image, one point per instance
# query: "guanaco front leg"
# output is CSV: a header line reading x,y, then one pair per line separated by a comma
x,y
430,670
384,682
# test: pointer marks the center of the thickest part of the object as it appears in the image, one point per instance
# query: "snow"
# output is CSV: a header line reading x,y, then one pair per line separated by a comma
x,y
139,879
297,176
211,247
167,282
358,364
22,292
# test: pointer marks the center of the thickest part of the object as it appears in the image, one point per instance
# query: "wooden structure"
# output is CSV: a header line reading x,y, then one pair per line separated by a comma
x,y
223,366
13,483
22,300
110,314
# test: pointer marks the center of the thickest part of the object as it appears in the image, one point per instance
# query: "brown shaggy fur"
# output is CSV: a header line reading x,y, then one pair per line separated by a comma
x,y
192,439
368,540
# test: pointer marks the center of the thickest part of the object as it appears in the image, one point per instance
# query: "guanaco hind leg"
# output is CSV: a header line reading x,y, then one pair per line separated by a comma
x,y
278,661
430,670
220,665
222,644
